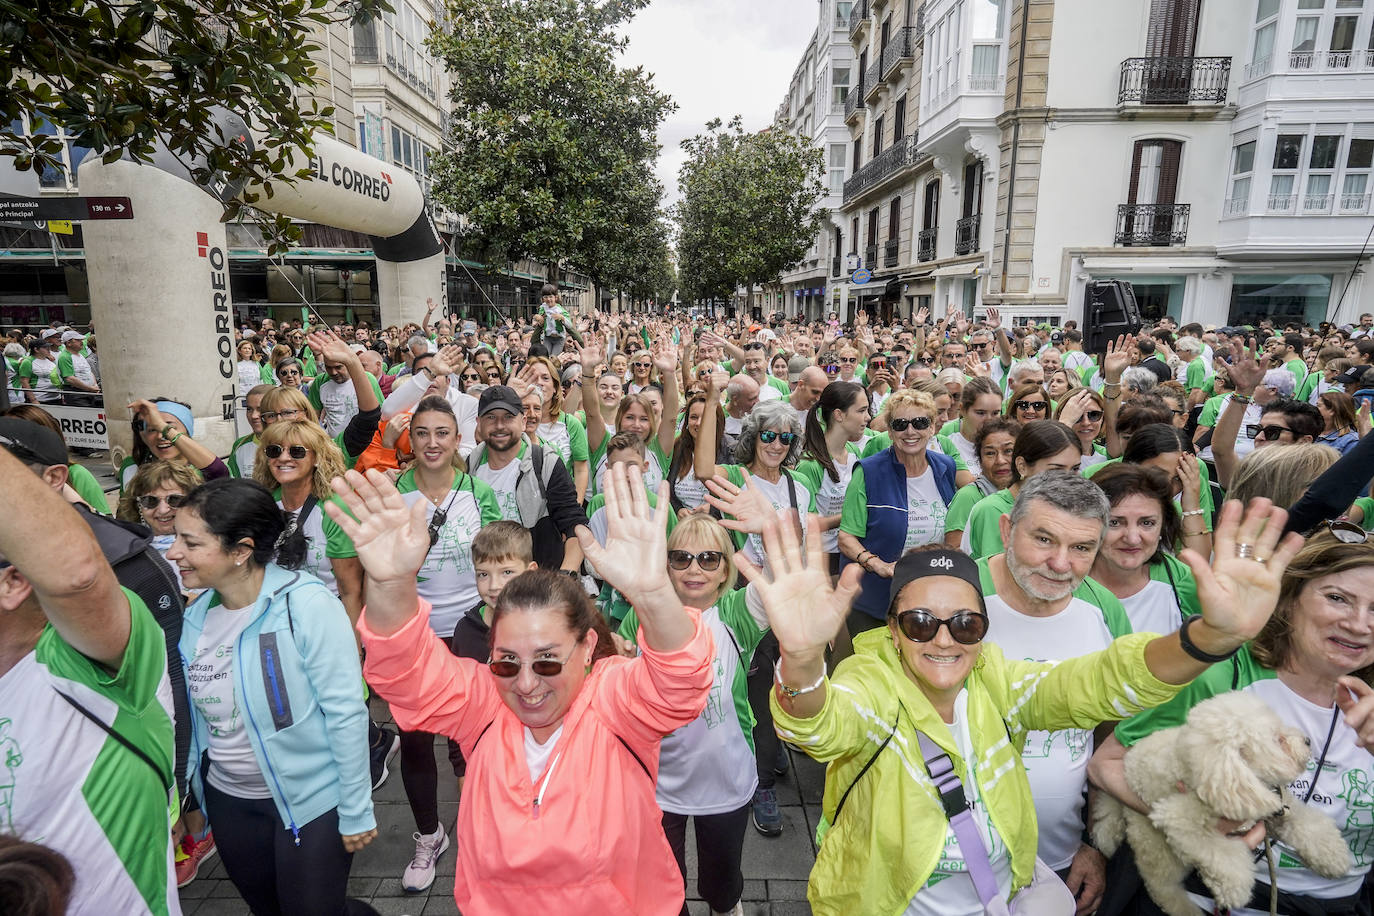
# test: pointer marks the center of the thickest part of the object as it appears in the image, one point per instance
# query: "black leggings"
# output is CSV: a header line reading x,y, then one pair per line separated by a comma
x,y
720,847
274,874
420,774
760,684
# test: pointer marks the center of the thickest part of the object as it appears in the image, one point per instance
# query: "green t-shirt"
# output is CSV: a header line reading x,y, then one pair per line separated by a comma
x,y
88,488
1197,375
566,436
983,532
968,496
779,386
1211,408
1206,502
1298,368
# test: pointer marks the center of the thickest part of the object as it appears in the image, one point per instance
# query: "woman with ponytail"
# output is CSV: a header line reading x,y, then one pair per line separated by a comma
x,y
688,494
832,442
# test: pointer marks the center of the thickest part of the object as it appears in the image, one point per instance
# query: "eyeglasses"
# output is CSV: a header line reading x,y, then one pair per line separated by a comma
x,y
642,365
925,360
769,436
1036,406
708,560
289,414
848,360
493,372
470,377
284,373
544,667
966,627
831,368
298,452
1271,433
982,346
1092,416
900,424
150,502
1344,531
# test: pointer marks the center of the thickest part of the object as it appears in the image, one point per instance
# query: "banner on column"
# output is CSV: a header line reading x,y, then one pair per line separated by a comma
x,y
82,427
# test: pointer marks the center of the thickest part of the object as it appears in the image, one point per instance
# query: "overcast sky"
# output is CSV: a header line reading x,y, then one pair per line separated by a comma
x,y
718,58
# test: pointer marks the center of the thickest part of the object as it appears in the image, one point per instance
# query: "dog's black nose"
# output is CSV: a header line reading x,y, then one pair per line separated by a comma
x,y
1306,740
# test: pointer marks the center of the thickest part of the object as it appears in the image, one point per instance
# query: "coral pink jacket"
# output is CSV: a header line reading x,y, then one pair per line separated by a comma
x,y
594,845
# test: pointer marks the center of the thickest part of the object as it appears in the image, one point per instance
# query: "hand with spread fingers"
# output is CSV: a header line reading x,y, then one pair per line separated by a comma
x,y
751,510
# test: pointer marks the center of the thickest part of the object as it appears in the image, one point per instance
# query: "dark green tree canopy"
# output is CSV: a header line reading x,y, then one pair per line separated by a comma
x,y
122,76
551,140
749,208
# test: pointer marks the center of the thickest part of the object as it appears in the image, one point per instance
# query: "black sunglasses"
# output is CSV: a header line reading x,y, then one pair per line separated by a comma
x,y
769,436
901,423
298,452
925,360
544,667
149,503
1092,416
831,368
283,373
708,560
966,627
1271,432
1037,406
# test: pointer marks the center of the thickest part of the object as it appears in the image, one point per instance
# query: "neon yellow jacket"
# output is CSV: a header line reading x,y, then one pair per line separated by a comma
x,y
891,834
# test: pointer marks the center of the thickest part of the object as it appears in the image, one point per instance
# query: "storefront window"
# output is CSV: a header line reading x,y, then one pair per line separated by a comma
x,y
1159,296
1281,297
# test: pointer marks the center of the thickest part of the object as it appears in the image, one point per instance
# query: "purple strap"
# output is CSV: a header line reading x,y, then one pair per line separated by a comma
x,y
951,789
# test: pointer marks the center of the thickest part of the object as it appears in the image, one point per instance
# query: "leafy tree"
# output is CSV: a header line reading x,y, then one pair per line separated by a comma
x,y
550,139
621,251
125,76
749,208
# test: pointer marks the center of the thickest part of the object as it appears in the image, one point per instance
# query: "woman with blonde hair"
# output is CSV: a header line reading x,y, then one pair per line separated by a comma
x,y
290,404
1280,474
558,429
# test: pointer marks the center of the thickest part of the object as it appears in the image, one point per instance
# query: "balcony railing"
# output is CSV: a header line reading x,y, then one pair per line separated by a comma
x,y
887,163
966,234
854,100
871,256
836,266
921,24
873,80
1174,80
925,244
1283,203
1331,60
1317,203
1354,203
1236,206
1152,225
890,252
858,17
901,47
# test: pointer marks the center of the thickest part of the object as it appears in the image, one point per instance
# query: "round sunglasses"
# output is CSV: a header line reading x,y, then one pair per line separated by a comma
x,y
900,424
965,627
1036,406
769,436
544,667
297,452
707,560
150,502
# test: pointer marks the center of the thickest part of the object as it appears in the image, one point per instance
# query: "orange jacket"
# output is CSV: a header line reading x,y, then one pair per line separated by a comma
x,y
595,845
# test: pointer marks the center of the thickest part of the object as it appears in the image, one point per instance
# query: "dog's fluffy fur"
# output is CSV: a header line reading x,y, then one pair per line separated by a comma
x,y
1234,759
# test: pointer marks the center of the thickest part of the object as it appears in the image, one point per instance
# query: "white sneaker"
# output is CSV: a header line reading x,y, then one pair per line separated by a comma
x,y
419,874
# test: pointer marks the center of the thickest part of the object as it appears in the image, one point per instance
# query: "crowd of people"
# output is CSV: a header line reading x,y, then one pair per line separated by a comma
x,y
619,564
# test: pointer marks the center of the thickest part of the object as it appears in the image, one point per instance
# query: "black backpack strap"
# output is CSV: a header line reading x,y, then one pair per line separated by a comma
x,y
164,778
845,797
537,459
792,494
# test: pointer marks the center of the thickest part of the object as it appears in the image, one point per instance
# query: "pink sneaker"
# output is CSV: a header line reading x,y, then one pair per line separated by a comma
x,y
196,853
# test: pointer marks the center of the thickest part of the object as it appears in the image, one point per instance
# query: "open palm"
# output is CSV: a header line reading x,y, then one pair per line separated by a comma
x,y
1239,594
391,537
632,559
804,611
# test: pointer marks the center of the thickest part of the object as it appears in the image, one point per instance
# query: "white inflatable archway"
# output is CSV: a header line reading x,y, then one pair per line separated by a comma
x,y
159,283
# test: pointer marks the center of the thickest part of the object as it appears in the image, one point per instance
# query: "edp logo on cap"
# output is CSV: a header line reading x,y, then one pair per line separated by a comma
x,y
942,563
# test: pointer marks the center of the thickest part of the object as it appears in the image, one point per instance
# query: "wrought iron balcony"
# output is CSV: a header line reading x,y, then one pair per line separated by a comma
x,y
882,166
901,48
836,266
1152,225
1174,80
925,244
873,80
858,18
966,234
854,100
871,257
890,252
920,36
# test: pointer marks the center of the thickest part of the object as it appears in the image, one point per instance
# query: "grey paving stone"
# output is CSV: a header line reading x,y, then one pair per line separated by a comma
x,y
783,889
221,907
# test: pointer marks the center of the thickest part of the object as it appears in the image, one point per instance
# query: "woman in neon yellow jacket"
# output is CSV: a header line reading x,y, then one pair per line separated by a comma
x,y
892,851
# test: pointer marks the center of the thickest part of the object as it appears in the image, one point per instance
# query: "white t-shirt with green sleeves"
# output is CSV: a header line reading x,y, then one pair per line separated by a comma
x,y
566,436
777,494
447,579
324,541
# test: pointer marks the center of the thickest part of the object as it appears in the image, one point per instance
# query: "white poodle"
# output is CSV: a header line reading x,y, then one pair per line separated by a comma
x,y
1234,759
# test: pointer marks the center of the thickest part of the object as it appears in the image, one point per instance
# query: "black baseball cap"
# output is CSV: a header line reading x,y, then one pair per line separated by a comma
x,y
499,397
30,442
941,562
1352,375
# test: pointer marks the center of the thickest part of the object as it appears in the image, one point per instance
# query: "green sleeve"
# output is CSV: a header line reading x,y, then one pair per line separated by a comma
x,y
349,460
1298,368
876,444
1092,469
947,447
26,368
733,608
956,516
629,626
140,672
337,544
655,451
733,473
1210,410
950,428
266,375
854,514
376,387
984,530
1113,612
1240,670
1206,501
64,366
1366,505
809,472
1176,572
487,506
779,386
577,438
312,393
88,488
1306,388
1197,375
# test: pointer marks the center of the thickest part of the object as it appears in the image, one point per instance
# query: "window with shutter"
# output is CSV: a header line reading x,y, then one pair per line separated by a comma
x,y
894,219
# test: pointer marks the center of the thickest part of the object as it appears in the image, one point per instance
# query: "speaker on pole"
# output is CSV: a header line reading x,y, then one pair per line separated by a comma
x,y
1109,310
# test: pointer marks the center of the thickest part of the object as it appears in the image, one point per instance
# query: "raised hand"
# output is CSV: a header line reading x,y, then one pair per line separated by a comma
x,y
1238,594
1191,497
391,538
751,509
1246,371
975,367
923,315
633,559
1075,407
447,361
1117,358
804,610
664,358
330,346
994,319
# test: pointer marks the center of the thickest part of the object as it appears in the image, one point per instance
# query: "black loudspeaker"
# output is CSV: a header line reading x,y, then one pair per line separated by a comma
x,y
1109,309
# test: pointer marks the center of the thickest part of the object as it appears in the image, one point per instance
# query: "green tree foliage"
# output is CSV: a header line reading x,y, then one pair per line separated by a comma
x,y
749,208
551,140
124,77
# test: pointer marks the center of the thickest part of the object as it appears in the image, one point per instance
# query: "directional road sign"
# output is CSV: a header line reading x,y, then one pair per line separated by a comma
x,y
861,276
19,209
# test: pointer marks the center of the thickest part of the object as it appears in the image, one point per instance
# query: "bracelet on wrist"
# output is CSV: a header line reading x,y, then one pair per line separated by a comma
x,y
1237,397
794,692
1193,512
1193,651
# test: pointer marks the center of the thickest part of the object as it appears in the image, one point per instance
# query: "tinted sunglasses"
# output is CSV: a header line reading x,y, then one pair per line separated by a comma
x,y
899,425
848,360
708,560
297,452
1031,405
149,503
1271,433
470,377
1344,531
925,360
966,627
283,373
1092,416
831,368
642,365
769,436
544,667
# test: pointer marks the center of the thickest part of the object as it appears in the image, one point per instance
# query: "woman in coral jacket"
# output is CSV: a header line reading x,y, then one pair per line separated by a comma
x,y
561,735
